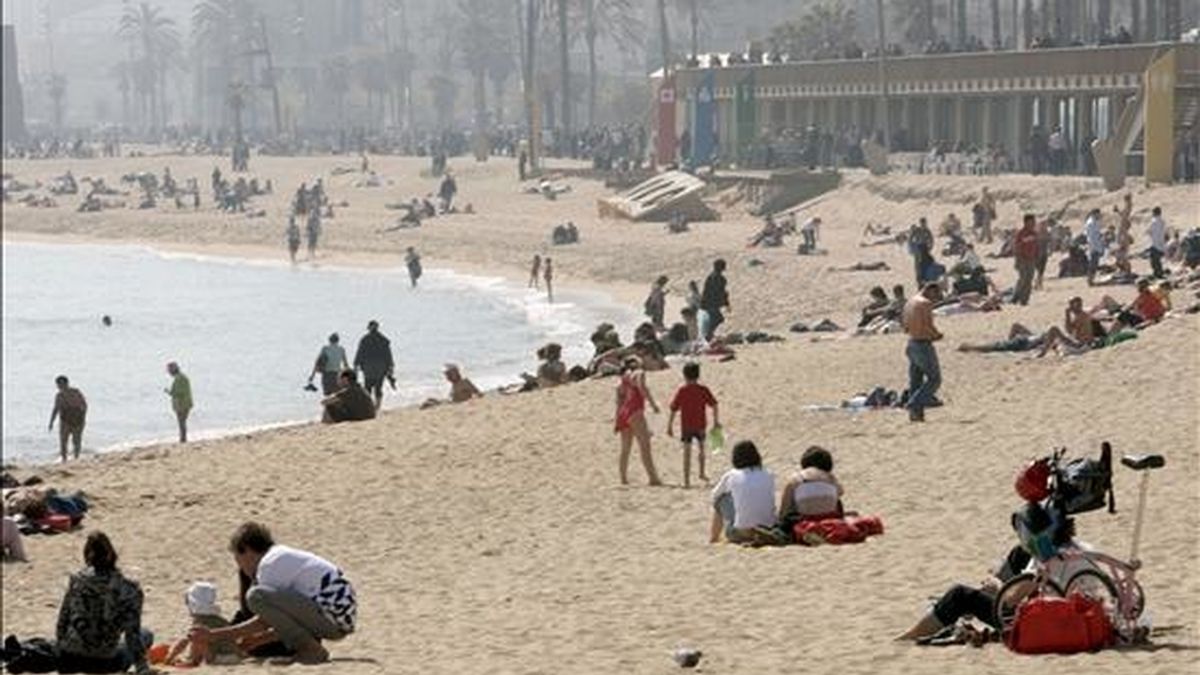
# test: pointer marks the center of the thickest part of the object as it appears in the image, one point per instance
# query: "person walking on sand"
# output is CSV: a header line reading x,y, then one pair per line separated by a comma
x,y
548,276
293,238
1157,232
632,396
331,361
656,303
714,299
412,261
691,402
924,372
535,272
313,231
1095,244
70,407
297,597
1025,253
181,397
374,359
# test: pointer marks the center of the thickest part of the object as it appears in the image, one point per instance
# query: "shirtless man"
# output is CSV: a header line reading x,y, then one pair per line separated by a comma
x,y
1079,332
924,372
70,407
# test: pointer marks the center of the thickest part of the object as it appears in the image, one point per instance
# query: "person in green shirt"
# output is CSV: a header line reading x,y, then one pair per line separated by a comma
x,y
181,397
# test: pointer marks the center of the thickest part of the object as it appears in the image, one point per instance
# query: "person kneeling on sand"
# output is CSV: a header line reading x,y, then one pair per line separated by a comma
x,y
350,403
744,500
298,598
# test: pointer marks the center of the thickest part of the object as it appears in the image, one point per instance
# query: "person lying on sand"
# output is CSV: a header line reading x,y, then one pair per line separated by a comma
x,y
877,266
350,403
962,601
1020,339
968,302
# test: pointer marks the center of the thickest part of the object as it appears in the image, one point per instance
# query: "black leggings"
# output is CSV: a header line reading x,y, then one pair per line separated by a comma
x,y
962,601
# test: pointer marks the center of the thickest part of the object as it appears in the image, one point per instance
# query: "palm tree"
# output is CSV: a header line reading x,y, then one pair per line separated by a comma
x,y
664,36
121,71
916,21
484,50
159,43
615,19
335,73
219,29
996,38
57,88
827,28
565,65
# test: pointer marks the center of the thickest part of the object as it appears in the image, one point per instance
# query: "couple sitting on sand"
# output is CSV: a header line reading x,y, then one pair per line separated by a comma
x,y
744,502
1084,330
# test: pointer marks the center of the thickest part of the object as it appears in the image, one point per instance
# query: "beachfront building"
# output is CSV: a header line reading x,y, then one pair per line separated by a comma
x,y
1143,98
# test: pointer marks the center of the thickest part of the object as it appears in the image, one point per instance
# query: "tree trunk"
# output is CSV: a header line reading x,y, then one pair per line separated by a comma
x,y
695,17
997,40
1152,32
664,36
480,77
1135,25
498,94
929,27
1028,24
1017,40
1103,16
529,40
590,36
1172,19
565,63
960,18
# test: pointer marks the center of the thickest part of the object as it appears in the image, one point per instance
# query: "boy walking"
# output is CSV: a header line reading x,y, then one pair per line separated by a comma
x,y
691,401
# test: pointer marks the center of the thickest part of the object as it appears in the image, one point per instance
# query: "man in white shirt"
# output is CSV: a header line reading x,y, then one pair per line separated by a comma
x,y
1158,241
1095,243
298,598
809,231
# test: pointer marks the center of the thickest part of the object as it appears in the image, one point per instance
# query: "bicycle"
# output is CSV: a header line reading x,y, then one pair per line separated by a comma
x,y
1090,573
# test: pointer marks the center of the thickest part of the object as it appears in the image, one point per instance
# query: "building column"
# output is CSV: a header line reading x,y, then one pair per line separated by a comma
x,y
789,113
931,118
1085,117
1020,119
856,112
810,117
986,102
960,119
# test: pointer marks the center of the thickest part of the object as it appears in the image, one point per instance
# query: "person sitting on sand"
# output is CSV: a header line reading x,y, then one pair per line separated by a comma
x,y
876,306
100,618
201,601
350,403
461,388
743,499
814,493
298,598
630,422
12,546
552,371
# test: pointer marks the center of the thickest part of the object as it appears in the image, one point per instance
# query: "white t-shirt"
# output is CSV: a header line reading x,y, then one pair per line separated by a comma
x,y
1158,234
1095,237
753,492
288,569
816,498
335,358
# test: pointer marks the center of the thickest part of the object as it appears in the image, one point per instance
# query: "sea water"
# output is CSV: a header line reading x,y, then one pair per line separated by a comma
x,y
247,334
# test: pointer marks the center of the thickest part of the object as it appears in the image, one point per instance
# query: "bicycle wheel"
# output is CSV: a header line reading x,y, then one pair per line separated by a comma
x,y
1015,591
1097,586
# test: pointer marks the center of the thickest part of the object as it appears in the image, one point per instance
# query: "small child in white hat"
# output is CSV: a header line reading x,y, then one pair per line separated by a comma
x,y
201,600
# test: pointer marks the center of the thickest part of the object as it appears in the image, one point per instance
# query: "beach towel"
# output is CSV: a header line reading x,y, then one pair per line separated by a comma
x,y
837,531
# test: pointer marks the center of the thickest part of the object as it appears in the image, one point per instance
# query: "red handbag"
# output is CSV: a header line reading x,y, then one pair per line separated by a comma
x,y
1048,625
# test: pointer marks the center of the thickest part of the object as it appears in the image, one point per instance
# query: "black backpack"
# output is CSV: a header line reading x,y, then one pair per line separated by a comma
x,y
30,656
1085,484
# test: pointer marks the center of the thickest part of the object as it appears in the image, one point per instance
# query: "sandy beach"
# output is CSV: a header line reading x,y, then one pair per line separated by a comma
x,y
493,536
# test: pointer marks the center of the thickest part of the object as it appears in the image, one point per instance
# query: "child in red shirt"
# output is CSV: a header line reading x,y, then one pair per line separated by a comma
x,y
691,401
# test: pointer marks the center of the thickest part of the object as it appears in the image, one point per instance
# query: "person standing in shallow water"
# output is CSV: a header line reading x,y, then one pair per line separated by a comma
x,y
293,238
374,359
181,398
412,261
548,276
535,272
70,407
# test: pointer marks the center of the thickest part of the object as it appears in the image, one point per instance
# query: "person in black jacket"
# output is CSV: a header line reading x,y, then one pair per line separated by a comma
x,y
374,359
715,298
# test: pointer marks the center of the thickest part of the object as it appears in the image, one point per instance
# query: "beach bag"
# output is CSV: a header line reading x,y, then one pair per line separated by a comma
x,y
1049,625
716,439
35,655
836,531
1085,484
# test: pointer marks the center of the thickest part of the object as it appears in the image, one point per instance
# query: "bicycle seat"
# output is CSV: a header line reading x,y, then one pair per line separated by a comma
x,y
1140,462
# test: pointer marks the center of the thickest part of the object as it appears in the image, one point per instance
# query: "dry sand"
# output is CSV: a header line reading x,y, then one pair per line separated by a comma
x,y
492,537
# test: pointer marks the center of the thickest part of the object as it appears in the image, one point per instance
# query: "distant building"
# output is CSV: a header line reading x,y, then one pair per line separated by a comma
x,y
13,103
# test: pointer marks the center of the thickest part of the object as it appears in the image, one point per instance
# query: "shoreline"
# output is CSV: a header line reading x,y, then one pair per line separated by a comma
x,y
345,260
620,293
